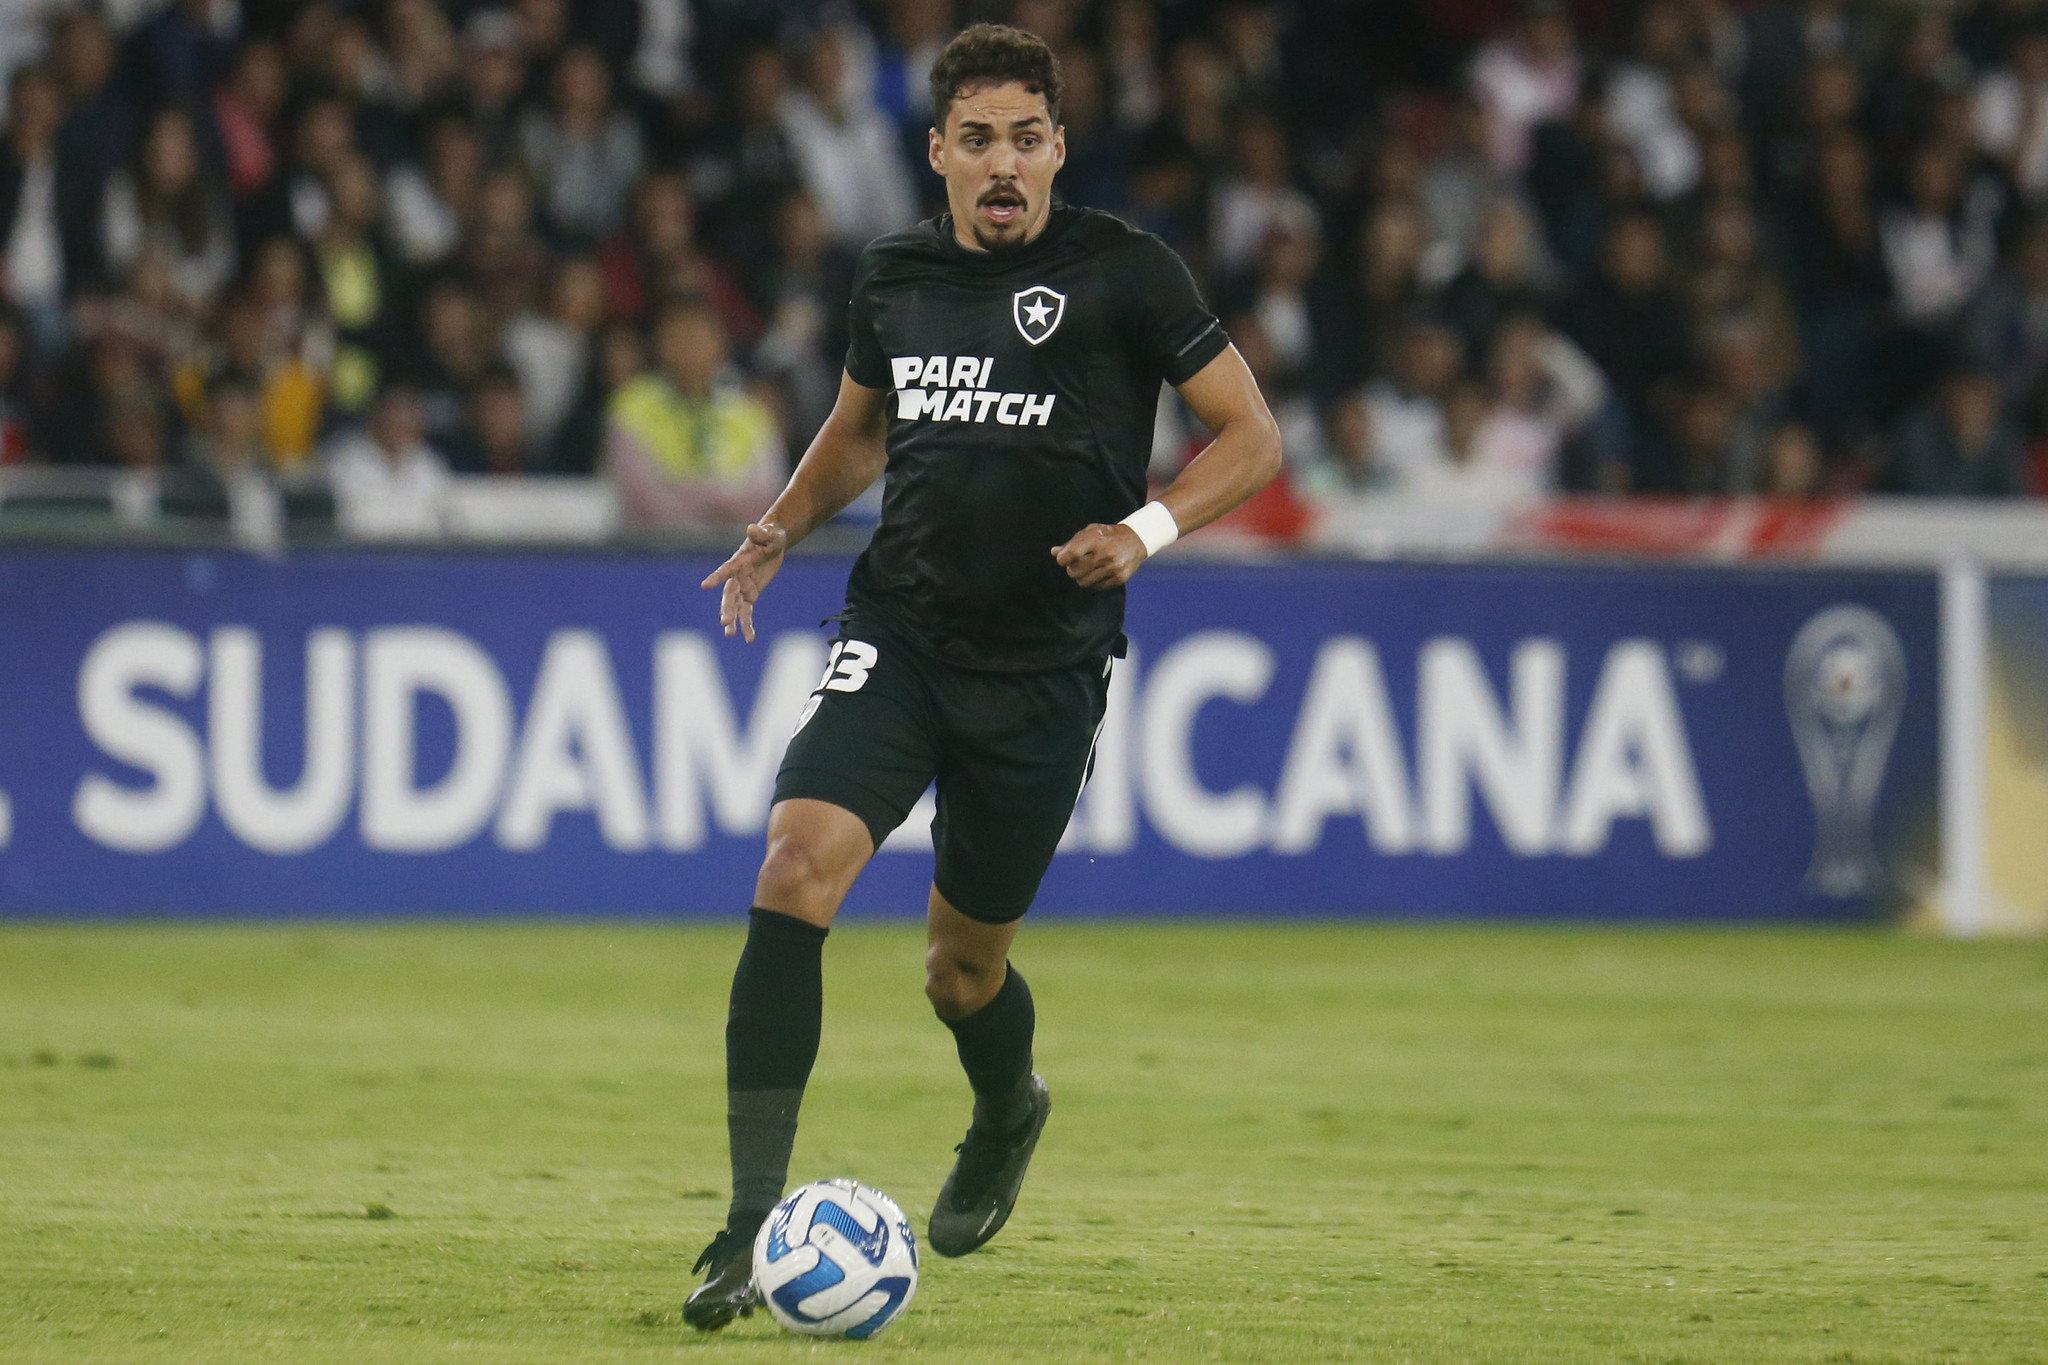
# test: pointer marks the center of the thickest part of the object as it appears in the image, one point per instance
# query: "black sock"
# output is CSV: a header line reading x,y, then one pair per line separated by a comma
x,y
771,1040
995,1051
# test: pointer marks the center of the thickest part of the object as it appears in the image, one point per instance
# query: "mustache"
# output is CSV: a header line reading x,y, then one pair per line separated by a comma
x,y
1002,194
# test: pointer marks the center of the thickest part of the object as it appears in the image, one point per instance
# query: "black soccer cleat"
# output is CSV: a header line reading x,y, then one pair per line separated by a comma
x,y
728,1291
977,1197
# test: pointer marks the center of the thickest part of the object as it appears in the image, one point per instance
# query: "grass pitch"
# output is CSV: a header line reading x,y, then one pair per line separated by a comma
x,y
493,1144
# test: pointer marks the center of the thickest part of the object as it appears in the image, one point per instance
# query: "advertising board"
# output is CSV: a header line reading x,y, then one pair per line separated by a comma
x,y
342,733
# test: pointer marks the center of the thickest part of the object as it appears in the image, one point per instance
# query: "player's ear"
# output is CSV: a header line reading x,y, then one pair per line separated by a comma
x,y
935,150
1059,147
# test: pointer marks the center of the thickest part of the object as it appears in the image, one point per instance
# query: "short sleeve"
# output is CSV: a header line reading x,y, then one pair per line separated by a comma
x,y
1176,332
864,359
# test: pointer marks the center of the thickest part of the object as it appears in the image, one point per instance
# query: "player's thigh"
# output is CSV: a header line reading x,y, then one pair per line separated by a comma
x,y
866,742
1017,750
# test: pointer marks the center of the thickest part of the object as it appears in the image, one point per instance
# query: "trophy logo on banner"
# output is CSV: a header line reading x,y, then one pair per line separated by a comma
x,y
1845,689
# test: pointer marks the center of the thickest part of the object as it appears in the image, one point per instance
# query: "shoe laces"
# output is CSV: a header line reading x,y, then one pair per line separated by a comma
x,y
981,1158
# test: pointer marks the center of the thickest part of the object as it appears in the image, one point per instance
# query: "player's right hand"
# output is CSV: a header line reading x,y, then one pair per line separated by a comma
x,y
744,575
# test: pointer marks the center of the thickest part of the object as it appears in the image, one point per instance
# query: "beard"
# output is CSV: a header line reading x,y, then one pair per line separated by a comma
x,y
1010,239
1002,237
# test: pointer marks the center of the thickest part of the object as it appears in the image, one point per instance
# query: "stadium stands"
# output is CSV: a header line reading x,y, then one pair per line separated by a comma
x,y
1477,253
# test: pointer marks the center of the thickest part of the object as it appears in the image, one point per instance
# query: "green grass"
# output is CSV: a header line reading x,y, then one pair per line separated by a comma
x,y
486,1144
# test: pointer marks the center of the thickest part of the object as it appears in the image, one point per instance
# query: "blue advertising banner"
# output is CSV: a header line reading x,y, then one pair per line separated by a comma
x,y
390,733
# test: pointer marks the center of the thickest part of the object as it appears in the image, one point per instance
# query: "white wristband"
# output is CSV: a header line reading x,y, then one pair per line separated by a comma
x,y
1155,527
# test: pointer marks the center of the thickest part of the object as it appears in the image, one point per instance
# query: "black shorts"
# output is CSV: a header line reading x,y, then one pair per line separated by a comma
x,y
1009,752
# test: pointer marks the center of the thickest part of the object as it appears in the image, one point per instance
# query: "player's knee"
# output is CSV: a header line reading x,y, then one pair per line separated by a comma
x,y
958,985
795,877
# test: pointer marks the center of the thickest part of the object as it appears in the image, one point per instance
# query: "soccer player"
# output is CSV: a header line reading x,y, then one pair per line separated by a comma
x,y
1003,370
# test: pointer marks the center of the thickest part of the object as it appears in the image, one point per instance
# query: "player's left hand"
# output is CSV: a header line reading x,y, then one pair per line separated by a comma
x,y
1101,556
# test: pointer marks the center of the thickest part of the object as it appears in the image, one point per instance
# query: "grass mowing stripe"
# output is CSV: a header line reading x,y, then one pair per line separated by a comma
x,y
1293,1143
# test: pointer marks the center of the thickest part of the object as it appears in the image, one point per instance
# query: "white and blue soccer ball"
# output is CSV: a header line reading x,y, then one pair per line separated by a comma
x,y
836,1259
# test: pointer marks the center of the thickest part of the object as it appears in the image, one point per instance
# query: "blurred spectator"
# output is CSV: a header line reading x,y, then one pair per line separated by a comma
x,y
1197,114
230,440
494,74
1250,34
1406,409
1500,278
288,391
1098,169
1454,193
178,53
1644,110
1839,284
296,202
1526,77
1960,444
747,164
1489,455
688,447
1301,433
803,294
1629,320
550,352
2009,113
1256,196
584,153
498,439
1784,39
424,55
665,259
246,112
621,358
1552,390
2005,327
1729,277
359,285
1793,465
430,202
1744,381
1348,467
1131,34
913,34
1905,95
1703,442
844,149
135,436
1939,245
1389,288
503,257
661,57
458,342
1299,318
389,484
31,230
97,137
1568,163
167,201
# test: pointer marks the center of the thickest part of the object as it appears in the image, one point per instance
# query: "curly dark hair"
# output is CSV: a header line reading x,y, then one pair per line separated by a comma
x,y
994,54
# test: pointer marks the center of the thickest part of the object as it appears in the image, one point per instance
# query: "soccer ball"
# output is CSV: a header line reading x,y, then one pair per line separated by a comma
x,y
836,1259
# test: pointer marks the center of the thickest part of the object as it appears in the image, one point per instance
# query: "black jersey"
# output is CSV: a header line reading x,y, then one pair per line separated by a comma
x,y
1024,388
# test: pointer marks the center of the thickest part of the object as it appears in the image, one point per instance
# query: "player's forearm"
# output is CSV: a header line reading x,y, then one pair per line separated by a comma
x,y
1242,459
840,464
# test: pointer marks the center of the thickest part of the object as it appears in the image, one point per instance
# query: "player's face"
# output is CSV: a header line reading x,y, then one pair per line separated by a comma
x,y
998,153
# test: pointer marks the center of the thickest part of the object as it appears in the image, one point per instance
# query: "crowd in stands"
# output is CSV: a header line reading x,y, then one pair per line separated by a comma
x,y
1479,250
